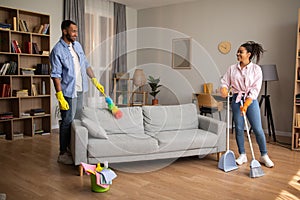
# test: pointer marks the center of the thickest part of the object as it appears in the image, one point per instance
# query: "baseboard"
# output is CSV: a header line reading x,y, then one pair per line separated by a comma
x,y
280,133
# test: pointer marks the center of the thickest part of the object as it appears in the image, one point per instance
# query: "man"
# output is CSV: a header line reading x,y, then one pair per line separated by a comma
x,y
70,69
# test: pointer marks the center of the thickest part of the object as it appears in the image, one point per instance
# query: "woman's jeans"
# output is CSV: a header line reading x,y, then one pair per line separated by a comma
x,y
67,116
253,115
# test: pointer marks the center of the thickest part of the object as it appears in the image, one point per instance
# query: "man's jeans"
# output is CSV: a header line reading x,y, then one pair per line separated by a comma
x,y
253,115
67,116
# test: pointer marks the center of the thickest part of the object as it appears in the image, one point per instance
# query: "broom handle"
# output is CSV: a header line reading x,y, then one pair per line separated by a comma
x,y
103,93
227,130
248,134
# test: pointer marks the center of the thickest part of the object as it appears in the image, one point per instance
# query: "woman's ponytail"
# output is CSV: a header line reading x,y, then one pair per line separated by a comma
x,y
255,49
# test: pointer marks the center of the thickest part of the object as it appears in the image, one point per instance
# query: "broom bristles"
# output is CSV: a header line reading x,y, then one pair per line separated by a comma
x,y
255,169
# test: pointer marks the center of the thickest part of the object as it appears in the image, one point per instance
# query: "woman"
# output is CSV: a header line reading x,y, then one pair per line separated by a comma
x,y
245,80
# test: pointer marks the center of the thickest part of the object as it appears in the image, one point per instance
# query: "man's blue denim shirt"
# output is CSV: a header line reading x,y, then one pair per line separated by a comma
x,y
62,66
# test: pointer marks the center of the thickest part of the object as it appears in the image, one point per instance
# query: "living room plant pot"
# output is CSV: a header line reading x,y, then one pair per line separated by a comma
x,y
154,101
154,85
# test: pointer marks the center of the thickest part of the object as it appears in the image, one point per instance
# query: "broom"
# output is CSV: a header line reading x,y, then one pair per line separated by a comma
x,y
255,167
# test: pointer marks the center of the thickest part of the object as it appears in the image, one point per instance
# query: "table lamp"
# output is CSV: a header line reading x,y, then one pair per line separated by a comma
x,y
139,78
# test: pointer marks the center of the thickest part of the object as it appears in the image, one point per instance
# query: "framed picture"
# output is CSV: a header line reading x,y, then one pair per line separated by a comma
x,y
181,53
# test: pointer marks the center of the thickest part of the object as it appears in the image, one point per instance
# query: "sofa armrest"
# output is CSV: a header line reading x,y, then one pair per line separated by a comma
x,y
215,126
79,142
211,124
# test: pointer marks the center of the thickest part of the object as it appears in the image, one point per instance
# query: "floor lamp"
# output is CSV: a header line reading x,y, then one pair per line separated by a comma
x,y
269,74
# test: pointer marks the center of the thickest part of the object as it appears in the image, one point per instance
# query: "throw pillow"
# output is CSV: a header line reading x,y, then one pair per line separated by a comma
x,y
94,129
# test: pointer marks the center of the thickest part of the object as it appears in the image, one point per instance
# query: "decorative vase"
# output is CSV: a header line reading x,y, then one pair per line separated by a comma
x,y
154,101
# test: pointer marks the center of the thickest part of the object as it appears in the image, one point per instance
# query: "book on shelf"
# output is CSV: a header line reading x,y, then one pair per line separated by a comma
x,y
27,71
37,111
18,135
15,23
42,69
5,26
297,119
37,114
16,46
45,28
25,114
39,131
4,68
38,29
4,90
137,103
45,53
28,47
296,145
2,135
8,68
35,48
23,25
12,68
6,115
20,93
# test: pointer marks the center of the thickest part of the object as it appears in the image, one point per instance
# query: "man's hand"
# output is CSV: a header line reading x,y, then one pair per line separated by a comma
x,y
63,104
246,105
98,85
224,92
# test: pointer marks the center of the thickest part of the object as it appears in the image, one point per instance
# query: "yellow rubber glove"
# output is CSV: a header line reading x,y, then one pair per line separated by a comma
x,y
98,85
246,105
224,92
63,104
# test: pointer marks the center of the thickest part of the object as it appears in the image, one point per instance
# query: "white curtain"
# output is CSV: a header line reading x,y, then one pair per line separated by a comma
x,y
99,46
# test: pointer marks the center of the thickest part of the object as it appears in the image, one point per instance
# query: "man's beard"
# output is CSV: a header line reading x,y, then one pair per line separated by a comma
x,y
69,38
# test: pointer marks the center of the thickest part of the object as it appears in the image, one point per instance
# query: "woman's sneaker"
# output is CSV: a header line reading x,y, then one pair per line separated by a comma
x,y
241,159
266,161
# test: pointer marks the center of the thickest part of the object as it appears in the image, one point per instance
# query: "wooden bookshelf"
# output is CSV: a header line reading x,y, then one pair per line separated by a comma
x,y
30,90
296,107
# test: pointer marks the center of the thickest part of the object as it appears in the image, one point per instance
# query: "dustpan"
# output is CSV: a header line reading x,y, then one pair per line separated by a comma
x,y
227,161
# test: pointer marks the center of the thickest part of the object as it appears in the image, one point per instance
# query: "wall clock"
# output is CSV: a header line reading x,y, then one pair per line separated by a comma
x,y
224,47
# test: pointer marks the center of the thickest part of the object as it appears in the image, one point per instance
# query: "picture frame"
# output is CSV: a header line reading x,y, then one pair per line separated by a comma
x,y
181,53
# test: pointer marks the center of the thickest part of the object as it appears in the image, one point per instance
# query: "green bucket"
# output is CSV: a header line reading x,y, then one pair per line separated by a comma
x,y
95,187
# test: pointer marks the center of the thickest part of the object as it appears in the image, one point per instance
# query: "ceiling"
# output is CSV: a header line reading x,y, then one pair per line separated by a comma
x,y
142,4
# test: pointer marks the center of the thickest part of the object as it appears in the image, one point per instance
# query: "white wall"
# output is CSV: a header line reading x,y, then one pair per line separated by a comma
x,y
273,23
55,9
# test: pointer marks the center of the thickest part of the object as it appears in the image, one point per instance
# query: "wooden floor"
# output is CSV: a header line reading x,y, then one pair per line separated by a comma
x,y
28,170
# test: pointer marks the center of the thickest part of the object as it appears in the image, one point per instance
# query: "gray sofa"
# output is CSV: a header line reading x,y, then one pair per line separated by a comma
x,y
145,133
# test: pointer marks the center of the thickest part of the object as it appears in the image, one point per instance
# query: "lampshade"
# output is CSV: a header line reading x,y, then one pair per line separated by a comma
x,y
139,78
269,72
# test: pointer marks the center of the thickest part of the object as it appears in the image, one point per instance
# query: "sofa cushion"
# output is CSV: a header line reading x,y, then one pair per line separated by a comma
x,y
167,118
185,140
130,123
122,145
95,130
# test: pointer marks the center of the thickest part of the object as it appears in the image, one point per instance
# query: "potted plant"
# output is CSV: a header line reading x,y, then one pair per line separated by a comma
x,y
154,84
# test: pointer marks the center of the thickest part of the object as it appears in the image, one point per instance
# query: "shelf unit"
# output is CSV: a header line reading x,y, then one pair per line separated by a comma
x,y
129,95
296,112
37,87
